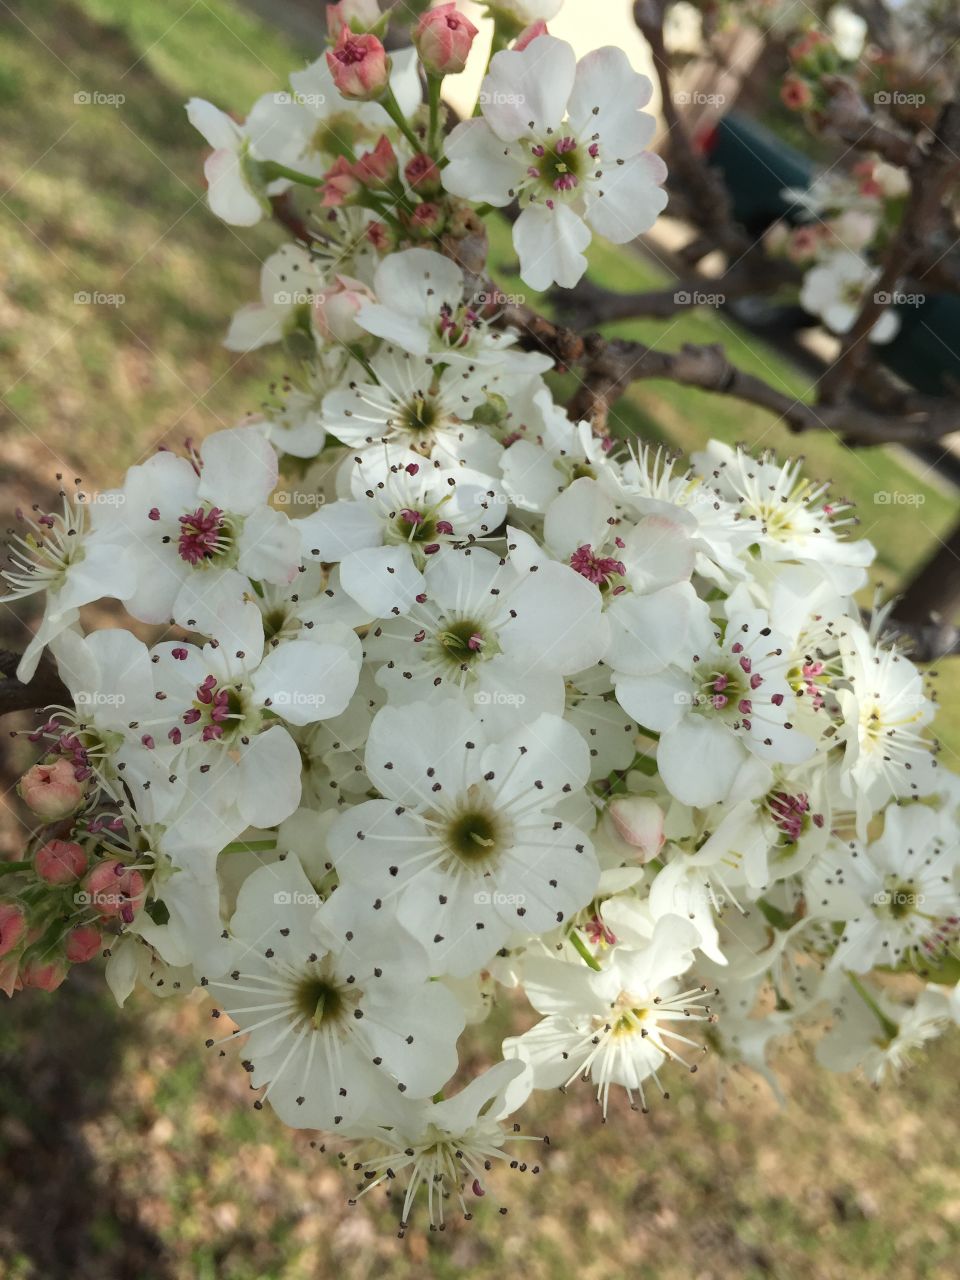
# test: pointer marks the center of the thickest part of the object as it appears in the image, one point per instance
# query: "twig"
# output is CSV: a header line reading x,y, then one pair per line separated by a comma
x,y
931,173
706,191
45,688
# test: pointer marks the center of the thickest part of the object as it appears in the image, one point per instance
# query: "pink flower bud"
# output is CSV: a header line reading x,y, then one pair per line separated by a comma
x,y
795,93
114,891
379,235
359,67
428,219
379,167
340,184
804,244
335,310
51,790
10,975
60,862
443,38
423,175
13,926
529,34
83,943
44,975
638,821
355,15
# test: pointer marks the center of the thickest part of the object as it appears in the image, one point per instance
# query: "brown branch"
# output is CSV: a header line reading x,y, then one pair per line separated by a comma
x,y
589,304
931,173
849,117
922,641
607,366
706,191
45,688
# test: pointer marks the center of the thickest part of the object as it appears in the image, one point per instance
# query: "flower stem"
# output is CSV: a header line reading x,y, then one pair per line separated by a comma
x,y
890,1028
6,867
433,96
392,108
272,170
249,846
581,946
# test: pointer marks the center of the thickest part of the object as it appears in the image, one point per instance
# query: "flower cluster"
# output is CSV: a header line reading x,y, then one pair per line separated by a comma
x,y
447,700
844,219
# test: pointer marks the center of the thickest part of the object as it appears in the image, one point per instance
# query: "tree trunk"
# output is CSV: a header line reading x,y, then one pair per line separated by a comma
x,y
936,588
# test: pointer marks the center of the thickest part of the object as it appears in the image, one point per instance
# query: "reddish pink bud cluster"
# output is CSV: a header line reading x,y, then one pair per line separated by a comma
x,y
344,181
359,66
443,38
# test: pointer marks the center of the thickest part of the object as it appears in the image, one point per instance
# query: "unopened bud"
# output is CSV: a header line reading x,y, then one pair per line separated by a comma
x,y
115,891
83,943
335,310
423,175
44,975
60,862
358,16
443,38
359,66
51,791
638,821
13,926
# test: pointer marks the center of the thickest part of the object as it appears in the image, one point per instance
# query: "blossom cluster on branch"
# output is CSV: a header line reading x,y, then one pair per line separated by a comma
x,y
450,700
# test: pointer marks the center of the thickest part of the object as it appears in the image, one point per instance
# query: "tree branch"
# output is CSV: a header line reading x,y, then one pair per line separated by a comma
x,y
705,190
931,173
45,688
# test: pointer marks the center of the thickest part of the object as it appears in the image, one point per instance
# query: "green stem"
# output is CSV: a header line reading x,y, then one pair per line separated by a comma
x,y
433,97
362,360
581,946
6,867
270,170
382,211
249,846
890,1028
392,108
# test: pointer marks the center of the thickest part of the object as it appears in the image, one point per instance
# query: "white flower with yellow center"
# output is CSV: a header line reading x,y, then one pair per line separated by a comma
x,y
614,1025
568,139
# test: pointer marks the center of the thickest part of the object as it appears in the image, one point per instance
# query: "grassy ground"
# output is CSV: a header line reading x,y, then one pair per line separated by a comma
x,y
123,1151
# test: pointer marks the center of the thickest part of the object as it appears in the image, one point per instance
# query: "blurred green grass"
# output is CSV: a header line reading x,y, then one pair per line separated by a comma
x,y
121,1113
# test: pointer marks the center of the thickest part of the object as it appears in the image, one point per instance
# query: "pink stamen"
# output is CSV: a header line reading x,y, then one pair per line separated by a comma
x,y
597,569
200,535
